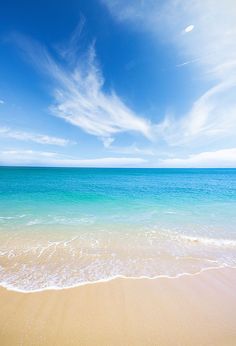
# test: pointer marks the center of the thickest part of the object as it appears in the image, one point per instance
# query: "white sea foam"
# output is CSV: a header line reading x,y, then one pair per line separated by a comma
x,y
14,288
7,217
12,217
210,241
63,259
59,220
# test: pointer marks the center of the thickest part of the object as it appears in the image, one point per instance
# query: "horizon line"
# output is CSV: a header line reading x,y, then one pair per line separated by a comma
x,y
109,167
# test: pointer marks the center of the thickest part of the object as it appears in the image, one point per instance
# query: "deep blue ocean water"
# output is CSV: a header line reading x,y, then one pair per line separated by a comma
x,y
87,224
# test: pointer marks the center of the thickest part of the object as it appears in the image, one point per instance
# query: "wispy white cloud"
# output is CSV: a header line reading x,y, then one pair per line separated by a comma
x,y
1,102
209,44
219,158
42,158
186,63
212,118
6,132
211,41
79,96
19,154
69,50
133,149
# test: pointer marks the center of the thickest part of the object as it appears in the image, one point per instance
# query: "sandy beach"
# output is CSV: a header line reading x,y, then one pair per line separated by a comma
x,y
190,310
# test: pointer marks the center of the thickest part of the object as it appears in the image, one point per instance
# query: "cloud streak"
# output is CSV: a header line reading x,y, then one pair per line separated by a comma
x,y
209,44
132,149
6,132
204,35
79,96
45,158
212,119
220,158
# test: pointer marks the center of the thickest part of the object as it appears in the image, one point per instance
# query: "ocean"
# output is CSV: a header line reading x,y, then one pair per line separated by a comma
x,y
63,227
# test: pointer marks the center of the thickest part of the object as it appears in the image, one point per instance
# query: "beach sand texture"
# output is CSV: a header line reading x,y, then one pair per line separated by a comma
x,y
190,310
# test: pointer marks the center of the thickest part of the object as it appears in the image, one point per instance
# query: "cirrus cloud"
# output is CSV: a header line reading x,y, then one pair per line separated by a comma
x,y
45,158
210,48
78,92
219,158
6,132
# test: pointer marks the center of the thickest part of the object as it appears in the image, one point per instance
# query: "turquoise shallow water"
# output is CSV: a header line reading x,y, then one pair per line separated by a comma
x,y
61,227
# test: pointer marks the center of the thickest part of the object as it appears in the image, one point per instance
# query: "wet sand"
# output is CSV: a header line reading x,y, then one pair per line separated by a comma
x,y
190,310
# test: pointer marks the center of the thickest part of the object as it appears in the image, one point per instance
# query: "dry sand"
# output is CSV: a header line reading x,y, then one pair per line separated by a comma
x,y
190,310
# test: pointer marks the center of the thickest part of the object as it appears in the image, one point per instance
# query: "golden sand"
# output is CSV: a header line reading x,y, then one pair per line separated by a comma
x,y
190,310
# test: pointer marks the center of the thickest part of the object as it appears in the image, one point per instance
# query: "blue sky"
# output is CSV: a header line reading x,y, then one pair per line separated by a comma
x,y
118,83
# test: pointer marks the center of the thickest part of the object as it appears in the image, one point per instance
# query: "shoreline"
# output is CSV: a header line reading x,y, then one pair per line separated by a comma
x,y
117,277
193,310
